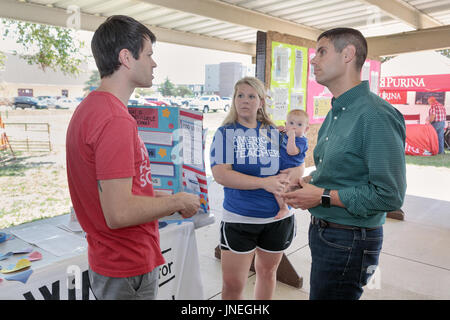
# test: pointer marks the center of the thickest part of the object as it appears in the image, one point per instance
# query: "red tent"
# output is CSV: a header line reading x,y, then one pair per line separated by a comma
x,y
421,140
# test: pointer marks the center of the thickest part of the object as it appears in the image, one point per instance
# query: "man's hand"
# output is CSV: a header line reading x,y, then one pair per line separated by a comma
x,y
308,196
190,202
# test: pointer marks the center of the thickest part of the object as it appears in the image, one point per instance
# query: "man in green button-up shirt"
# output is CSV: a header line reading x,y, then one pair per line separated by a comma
x,y
360,171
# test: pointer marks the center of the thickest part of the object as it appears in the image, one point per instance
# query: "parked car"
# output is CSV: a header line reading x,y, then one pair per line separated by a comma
x,y
28,102
140,102
185,101
50,102
207,103
226,103
66,103
156,101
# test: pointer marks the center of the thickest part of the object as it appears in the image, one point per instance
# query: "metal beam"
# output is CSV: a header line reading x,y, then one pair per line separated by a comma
x,y
222,11
59,17
404,12
418,40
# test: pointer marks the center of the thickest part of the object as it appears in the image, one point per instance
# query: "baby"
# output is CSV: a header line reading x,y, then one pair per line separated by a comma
x,y
293,148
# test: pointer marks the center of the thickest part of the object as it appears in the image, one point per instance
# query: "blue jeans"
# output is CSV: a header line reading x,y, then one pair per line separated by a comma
x,y
439,127
342,261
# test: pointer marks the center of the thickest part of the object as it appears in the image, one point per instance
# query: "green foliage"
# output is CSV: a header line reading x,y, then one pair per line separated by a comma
x,y
387,58
444,52
144,92
183,91
2,59
46,46
94,81
167,88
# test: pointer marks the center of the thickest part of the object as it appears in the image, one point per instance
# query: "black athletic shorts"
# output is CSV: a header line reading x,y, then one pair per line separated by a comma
x,y
246,237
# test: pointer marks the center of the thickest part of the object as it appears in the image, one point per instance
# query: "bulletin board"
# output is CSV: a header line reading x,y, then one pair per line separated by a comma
x,y
288,79
175,141
278,67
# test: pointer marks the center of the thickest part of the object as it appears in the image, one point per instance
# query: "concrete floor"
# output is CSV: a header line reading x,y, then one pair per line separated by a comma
x,y
415,259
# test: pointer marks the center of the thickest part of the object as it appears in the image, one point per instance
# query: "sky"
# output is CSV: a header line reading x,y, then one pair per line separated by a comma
x,y
181,64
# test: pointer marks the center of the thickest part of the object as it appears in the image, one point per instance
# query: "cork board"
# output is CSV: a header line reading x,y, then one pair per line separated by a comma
x,y
263,72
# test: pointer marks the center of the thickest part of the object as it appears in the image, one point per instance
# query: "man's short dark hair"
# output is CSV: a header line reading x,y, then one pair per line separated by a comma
x,y
116,33
342,37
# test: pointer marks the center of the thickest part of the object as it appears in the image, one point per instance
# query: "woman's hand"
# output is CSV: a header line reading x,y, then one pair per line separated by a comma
x,y
294,173
275,184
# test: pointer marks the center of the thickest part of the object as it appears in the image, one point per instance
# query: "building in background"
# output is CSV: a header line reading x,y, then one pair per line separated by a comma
x,y
221,78
18,78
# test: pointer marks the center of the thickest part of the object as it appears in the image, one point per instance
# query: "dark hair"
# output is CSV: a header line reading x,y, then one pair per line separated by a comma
x,y
342,37
116,33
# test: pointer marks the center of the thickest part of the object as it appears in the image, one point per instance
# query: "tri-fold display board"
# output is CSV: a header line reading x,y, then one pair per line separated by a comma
x,y
175,141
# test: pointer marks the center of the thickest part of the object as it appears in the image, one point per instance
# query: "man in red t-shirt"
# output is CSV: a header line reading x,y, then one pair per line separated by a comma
x,y
108,169
437,117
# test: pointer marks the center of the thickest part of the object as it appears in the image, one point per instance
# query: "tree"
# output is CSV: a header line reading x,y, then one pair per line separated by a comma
x,y
94,81
46,46
183,91
167,88
444,52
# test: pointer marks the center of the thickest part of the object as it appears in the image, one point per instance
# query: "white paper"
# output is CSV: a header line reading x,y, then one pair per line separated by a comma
x,y
281,100
298,72
365,72
51,239
162,169
191,180
159,138
192,143
374,76
281,57
296,100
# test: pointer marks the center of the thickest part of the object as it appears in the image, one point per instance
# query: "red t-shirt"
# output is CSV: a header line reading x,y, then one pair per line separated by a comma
x,y
102,143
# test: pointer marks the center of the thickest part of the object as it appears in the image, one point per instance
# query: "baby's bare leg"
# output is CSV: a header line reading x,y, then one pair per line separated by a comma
x,y
284,210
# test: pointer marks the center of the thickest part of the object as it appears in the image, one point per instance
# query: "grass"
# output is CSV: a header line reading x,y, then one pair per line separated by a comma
x,y
439,160
32,187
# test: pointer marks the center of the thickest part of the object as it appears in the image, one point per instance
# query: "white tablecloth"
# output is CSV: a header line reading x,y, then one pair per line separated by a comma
x,y
62,275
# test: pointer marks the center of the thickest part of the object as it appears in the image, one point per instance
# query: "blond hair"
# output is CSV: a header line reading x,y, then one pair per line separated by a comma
x,y
299,113
262,115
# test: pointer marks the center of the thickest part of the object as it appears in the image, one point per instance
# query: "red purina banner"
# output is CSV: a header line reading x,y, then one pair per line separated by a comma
x,y
437,82
394,97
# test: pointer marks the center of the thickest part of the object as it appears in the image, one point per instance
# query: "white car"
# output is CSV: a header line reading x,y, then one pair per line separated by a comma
x,y
206,103
66,103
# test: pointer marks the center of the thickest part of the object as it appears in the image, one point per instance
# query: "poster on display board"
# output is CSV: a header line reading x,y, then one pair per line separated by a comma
x,y
288,80
319,97
175,141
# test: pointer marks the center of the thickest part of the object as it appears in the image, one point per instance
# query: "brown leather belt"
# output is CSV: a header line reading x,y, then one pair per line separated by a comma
x,y
324,224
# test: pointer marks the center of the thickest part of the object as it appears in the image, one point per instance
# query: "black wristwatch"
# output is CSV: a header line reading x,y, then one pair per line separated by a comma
x,y
326,199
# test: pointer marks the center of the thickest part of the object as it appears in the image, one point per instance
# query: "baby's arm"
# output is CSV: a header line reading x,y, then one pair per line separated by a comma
x,y
291,147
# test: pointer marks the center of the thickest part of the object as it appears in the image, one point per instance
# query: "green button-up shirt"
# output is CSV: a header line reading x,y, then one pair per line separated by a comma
x,y
360,152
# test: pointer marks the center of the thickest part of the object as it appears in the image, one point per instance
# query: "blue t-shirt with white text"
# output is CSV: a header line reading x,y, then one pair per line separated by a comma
x,y
251,151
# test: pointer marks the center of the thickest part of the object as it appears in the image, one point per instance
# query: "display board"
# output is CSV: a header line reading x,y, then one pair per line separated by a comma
x,y
175,141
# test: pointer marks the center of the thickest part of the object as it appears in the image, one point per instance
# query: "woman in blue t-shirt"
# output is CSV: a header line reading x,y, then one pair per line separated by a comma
x,y
245,160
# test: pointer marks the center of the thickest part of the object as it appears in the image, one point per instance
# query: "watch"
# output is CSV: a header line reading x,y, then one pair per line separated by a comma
x,y
326,199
